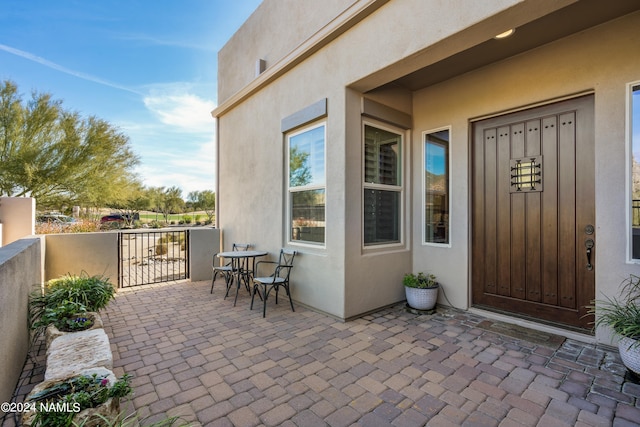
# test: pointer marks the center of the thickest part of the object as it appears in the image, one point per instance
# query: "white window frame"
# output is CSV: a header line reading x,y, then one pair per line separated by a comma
x,y
629,170
401,189
424,190
288,208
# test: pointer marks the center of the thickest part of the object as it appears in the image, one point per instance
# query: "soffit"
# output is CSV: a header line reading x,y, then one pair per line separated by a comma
x,y
569,20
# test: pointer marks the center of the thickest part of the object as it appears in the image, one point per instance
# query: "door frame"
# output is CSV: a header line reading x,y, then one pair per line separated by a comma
x,y
586,101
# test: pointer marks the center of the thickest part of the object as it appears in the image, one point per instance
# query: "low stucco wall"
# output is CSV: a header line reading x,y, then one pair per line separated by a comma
x,y
20,272
97,253
76,253
204,243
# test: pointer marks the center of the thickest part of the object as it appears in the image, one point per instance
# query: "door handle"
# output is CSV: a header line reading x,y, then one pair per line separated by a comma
x,y
589,244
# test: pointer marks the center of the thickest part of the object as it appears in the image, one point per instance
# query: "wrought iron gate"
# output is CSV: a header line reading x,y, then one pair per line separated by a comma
x,y
152,257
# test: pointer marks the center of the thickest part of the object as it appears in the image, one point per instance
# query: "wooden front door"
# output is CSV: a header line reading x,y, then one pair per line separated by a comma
x,y
533,241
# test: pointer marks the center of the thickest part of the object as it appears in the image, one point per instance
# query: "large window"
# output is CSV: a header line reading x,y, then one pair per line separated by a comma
x,y
382,198
306,149
436,187
634,135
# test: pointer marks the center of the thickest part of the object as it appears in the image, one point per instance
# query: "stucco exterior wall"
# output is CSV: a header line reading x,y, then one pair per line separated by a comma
x,y
75,253
270,33
203,244
20,274
251,155
17,218
597,60
343,278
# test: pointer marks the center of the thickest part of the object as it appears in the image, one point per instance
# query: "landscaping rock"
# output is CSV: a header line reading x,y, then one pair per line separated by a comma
x,y
52,332
74,352
110,409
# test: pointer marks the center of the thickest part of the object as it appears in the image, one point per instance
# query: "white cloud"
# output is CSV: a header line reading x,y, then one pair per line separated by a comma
x,y
177,143
174,105
45,62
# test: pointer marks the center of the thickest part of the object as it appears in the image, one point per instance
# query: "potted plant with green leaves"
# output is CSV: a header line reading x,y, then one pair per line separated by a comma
x,y
421,290
622,315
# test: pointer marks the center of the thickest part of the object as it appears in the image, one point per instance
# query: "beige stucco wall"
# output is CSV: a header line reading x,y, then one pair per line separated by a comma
x,y
342,278
20,274
204,242
77,253
271,32
598,60
17,217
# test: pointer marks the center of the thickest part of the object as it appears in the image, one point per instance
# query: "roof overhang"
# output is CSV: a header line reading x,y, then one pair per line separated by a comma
x,y
433,65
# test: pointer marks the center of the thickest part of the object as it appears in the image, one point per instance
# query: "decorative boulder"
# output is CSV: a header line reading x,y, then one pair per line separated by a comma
x,y
72,353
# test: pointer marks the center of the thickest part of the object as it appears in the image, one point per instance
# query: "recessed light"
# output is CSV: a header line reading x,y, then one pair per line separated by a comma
x,y
505,34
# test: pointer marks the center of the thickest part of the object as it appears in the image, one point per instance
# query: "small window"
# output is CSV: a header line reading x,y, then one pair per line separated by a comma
x,y
382,198
306,153
436,187
634,135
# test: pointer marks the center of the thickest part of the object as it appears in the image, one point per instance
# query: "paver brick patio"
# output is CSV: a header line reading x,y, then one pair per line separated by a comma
x,y
192,354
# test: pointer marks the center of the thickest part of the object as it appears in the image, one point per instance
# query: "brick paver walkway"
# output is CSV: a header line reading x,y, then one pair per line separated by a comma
x,y
195,355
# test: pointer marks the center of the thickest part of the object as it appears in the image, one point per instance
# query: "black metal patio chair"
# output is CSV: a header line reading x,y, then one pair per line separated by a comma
x,y
226,270
263,285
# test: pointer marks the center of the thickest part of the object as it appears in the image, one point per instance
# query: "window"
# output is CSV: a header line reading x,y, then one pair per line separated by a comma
x,y
382,198
436,187
306,153
634,136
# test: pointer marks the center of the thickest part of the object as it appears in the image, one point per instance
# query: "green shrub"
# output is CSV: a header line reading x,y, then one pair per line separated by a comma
x,y
68,316
65,297
187,218
94,292
82,392
162,249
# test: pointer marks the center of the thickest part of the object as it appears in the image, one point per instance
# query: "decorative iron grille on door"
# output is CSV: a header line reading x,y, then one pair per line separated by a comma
x,y
152,257
526,174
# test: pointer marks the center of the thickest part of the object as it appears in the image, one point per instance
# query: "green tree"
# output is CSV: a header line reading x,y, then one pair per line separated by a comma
x,y
166,201
203,200
134,200
58,157
299,172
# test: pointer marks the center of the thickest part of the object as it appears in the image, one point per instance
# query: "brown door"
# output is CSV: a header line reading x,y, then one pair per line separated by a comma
x,y
533,213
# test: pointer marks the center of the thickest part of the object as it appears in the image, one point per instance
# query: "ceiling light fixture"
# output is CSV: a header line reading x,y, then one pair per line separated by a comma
x,y
505,34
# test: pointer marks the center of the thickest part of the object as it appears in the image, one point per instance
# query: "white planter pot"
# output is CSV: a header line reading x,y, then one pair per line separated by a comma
x,y
422,299
630,356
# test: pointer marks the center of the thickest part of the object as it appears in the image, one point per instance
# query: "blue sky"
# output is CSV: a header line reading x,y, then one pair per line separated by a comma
x,y
149,67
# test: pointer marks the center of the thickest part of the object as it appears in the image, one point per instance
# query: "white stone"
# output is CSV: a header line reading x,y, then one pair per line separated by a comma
x,y
71,353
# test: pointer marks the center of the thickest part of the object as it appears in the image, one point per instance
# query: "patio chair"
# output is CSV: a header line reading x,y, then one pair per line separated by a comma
x,y
226,270
280,278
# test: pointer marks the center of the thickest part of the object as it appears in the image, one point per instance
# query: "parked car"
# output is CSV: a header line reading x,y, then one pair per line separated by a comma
x,y
117,220
55,219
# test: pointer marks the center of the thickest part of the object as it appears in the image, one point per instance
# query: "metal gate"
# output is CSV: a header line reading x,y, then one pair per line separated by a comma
x,y
152,257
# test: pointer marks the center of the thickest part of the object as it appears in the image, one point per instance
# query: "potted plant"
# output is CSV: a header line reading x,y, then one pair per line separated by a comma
x,y
623,316
421,290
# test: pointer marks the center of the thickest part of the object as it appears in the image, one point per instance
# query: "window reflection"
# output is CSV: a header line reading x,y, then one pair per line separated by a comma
x,y
382,195
307,216
635,170
307,185
436,185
